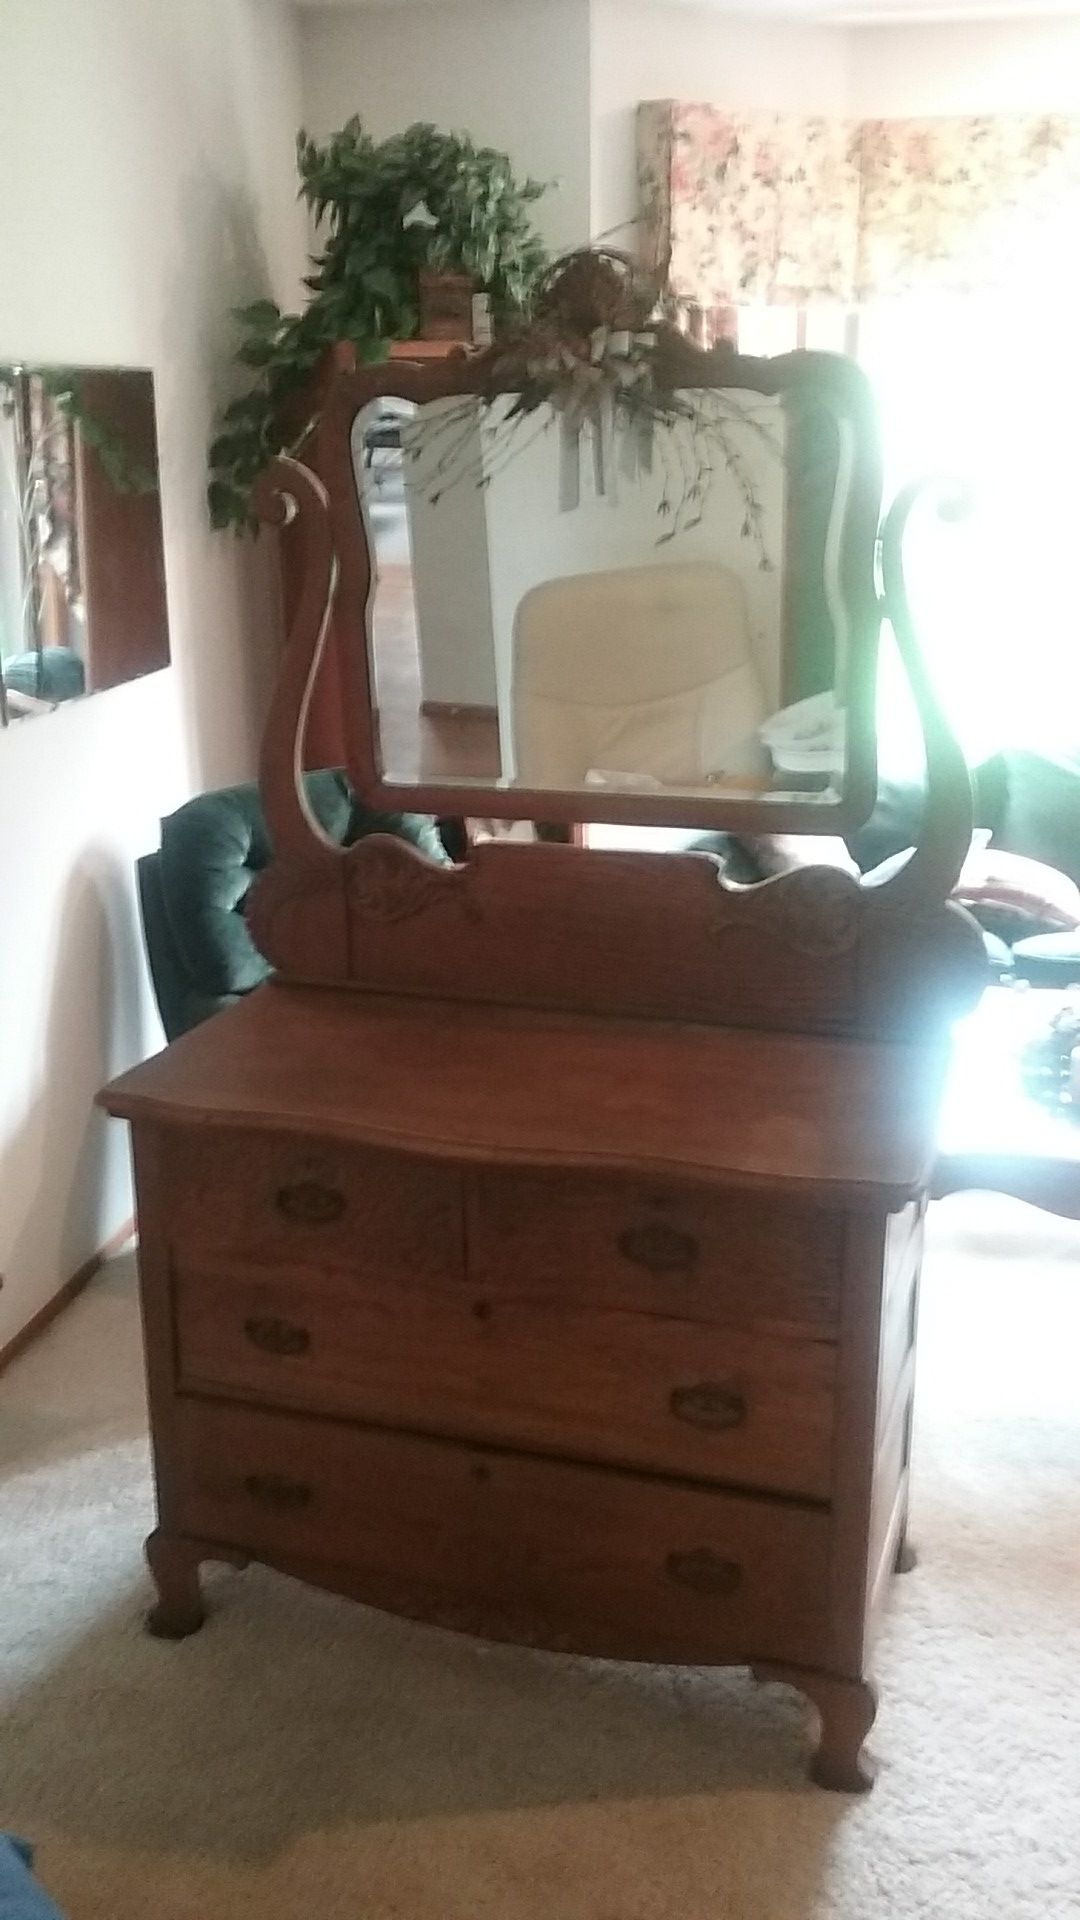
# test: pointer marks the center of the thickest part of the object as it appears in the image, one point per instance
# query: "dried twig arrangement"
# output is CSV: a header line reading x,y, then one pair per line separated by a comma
x,y
593,356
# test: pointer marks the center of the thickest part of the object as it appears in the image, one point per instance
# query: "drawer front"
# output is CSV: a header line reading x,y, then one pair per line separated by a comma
x,y
742,1260
282,1199
539,1551
522,1365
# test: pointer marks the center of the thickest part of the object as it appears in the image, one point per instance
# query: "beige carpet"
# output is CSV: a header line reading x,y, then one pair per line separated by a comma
x,y
302,1759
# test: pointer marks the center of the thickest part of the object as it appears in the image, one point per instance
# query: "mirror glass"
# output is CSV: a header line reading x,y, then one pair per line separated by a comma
x,y
594,607
82,570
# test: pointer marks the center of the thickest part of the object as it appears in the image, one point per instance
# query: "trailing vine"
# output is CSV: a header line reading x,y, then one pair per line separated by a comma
x,y
422,198
63,385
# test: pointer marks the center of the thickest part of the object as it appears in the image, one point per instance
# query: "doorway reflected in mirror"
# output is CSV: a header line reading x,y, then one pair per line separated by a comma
x,y
430,729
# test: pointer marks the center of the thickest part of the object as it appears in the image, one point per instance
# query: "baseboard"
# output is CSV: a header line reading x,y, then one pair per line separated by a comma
x,y
47,1314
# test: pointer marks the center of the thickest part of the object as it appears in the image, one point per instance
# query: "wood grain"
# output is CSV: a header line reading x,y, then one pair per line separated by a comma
x,y
518,1365
837,1122
736,1259
530,1549
308,1202
551,925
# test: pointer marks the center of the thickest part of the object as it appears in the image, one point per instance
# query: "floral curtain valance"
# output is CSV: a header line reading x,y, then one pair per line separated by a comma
x,y
787,209
968,205
748,207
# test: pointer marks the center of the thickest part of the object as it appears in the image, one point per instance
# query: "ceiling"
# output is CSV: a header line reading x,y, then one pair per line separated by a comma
x,y
835,12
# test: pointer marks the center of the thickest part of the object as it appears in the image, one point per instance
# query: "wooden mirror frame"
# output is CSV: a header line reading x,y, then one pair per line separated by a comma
x,y
337,578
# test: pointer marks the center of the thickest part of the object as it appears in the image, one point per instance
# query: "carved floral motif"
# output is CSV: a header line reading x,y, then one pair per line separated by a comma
x,y
388,880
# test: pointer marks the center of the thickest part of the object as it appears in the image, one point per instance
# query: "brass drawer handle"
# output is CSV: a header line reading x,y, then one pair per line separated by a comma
x,y
659,1248
275,1491
704,1570
309,1204
709,1404
277,1336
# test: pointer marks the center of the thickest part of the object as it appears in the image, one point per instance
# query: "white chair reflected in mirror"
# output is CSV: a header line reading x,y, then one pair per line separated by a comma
x,y
636,679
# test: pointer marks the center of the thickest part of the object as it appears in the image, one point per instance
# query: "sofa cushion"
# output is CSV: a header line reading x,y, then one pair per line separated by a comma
x,y
1048,959
211,850
1041,816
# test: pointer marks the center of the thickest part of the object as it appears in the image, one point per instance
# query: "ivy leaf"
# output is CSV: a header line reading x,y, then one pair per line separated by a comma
x,y
383,283
362,285
262,316
255,353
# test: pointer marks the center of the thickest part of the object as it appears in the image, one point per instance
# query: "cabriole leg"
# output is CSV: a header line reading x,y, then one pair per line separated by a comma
x,y
174,1563
846,1710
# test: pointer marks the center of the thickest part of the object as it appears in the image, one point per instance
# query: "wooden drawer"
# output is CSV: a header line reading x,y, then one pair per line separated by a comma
x,y
734,1259
543,1552
524,1363
282,1199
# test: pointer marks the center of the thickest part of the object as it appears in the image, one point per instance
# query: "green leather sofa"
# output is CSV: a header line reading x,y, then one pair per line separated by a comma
x,y
1030,803
192,891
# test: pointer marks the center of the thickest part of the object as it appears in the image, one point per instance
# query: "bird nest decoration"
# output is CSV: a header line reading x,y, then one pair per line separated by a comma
x,y
596,359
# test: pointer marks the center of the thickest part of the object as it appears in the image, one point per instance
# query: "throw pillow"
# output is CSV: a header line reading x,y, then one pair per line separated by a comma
x,y
1020,895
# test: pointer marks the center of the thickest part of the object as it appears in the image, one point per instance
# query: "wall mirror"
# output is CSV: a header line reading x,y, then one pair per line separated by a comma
x,y
563,616
82,570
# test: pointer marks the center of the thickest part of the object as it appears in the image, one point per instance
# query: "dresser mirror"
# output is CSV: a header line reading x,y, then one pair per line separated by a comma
x,y
580,615
82,570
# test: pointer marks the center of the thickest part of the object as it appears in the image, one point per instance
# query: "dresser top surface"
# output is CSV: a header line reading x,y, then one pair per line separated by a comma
x,y
840,1120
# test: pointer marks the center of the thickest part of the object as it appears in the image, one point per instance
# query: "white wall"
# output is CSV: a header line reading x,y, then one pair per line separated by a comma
x,y
449,556
513,73
646,51
146,186
999,66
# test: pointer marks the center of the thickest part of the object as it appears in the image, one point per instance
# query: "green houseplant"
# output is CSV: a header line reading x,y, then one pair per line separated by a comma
x,y
421,199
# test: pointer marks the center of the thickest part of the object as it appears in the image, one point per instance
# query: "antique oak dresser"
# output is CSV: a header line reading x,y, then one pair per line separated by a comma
x,y
538,1254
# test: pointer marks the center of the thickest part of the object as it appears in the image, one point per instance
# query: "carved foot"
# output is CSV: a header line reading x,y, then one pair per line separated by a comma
x,y
174,1562
906,1557
846,1710
174,1565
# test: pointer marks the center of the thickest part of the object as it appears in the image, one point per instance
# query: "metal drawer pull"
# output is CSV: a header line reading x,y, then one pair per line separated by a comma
x,y
659,1248
277,1336
704,1570
273,1490
709,1404
309,1204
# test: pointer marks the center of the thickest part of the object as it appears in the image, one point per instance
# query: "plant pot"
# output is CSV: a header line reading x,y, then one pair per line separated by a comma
x,y
446,305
